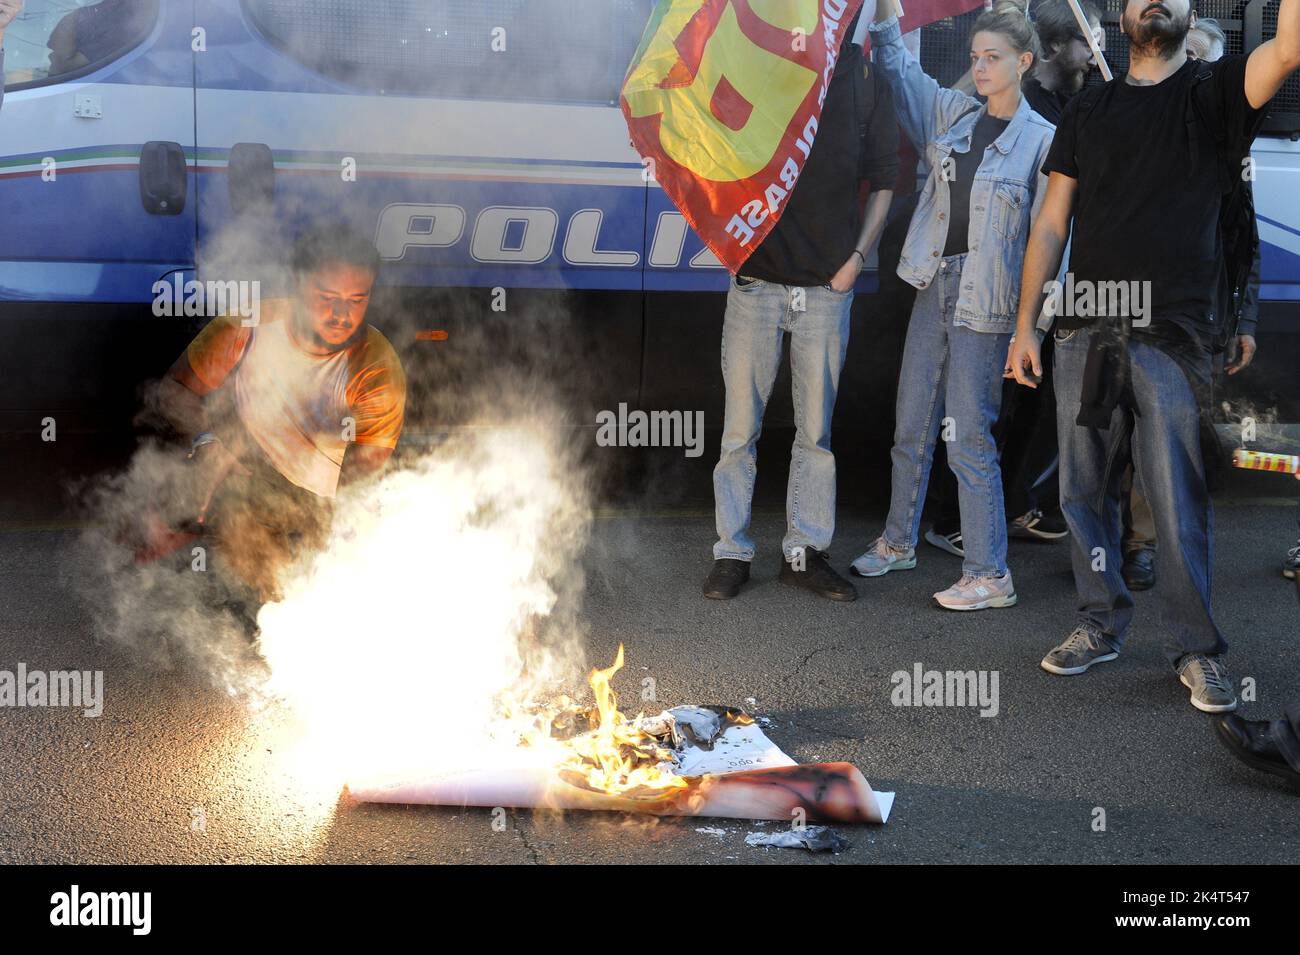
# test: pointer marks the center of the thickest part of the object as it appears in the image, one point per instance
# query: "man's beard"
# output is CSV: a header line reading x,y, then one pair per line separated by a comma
x,y
1160,37
341,346
306,332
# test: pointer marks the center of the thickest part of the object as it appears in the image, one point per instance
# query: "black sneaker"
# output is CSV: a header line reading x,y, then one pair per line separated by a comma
x,y
1083,648
816,575
1252,742
1292,562
1139,570
726,577
1040,526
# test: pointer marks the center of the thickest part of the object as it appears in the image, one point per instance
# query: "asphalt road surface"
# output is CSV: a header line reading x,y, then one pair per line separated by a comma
x,y
174,771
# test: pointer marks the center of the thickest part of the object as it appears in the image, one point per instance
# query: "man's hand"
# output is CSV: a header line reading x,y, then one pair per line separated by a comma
x,y
1024,361
1241,352
8,10
847,276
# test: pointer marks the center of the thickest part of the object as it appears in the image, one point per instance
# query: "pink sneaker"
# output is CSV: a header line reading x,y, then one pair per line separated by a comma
x,y
978,593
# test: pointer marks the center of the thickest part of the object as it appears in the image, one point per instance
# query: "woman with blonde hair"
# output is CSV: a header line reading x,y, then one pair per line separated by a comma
x,y
964,252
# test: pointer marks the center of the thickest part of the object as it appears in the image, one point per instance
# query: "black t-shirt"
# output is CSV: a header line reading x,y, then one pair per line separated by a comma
x,y
1149,191
818,229
965,165
1048,104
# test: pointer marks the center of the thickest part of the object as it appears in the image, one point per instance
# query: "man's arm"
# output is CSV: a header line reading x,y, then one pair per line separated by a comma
x,y
873,223
1241,350
200,370
1272,62
377,402
878,166
1047,240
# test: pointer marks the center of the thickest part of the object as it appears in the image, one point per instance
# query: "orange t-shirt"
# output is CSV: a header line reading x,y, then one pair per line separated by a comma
x,y
303,410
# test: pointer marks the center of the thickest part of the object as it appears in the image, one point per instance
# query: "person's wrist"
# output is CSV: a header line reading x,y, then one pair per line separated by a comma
x,y
203,444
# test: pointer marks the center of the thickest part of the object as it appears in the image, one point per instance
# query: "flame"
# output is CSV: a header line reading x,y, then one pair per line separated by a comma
x,y
423,639
618,756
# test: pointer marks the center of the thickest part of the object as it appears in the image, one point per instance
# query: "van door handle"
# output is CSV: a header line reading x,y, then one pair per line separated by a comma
x,y
164,178
250,177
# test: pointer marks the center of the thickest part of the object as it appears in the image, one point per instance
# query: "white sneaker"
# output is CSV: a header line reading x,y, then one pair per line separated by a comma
x,y
978,593
881,559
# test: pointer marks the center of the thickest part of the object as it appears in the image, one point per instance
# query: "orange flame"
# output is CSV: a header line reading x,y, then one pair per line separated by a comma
x,y
618,756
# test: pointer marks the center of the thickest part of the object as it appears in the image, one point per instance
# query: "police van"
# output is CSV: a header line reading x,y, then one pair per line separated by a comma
x,y
151,145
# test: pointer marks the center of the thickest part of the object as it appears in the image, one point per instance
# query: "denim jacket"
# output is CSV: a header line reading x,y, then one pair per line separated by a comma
x,y
1006,195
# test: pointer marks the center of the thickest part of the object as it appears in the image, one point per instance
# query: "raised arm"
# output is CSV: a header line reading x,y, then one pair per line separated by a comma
x,y
924,107
1271,63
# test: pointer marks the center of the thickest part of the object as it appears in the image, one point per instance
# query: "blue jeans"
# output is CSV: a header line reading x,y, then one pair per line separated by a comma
x,y
1160,420
758,316
950,372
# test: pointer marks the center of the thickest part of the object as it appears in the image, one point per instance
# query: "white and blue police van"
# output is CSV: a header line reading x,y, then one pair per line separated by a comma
x,y
479,141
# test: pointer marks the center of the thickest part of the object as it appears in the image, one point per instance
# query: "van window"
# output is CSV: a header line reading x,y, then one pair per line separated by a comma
x,y
53,40
556,50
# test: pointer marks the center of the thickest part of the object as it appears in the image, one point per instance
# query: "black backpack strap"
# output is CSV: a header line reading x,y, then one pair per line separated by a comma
x,y
1201,119
1238,232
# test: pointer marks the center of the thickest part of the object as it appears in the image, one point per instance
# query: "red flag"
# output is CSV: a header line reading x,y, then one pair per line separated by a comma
x,y
919,13
722,102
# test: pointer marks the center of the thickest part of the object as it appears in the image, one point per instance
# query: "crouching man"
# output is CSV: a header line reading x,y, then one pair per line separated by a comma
x,y
284,408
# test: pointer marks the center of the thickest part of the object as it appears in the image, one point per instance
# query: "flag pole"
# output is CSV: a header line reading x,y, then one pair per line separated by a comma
x,y
1092,41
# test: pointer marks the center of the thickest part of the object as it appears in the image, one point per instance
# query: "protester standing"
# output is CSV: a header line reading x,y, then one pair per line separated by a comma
x,y
963,252
1145,375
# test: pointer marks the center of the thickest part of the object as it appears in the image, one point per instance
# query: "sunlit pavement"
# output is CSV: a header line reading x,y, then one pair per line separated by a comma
x,y
175,772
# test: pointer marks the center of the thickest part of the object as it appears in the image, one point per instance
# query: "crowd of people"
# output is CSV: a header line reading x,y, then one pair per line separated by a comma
x,y
1056,421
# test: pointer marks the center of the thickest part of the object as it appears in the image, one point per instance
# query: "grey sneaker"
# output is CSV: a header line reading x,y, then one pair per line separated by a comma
x,y
1209,681
978,593
1081,649
881,559
951,543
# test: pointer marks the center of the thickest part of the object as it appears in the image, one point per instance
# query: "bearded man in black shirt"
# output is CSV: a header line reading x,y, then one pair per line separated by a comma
x,y
1141,166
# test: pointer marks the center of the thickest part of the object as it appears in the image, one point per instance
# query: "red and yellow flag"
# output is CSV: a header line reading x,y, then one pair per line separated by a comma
x,y
722,100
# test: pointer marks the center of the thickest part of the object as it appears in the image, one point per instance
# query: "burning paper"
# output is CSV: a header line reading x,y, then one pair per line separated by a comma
x,y
425,648
688,761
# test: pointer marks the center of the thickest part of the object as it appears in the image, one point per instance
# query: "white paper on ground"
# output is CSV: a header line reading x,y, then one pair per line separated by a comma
x,y
740,748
